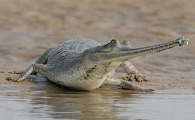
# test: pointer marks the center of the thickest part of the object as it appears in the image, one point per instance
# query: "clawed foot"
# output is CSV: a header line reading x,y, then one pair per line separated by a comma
x,y
20,72
136,77
148,90
13,79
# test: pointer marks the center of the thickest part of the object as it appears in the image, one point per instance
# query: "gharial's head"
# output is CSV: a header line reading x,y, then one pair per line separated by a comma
x,y
122,51
106,53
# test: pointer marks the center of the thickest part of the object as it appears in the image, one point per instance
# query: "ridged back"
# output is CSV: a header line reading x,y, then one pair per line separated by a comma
x,y
70,52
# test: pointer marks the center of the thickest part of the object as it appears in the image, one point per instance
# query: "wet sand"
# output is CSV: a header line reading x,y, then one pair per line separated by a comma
x,y
30,27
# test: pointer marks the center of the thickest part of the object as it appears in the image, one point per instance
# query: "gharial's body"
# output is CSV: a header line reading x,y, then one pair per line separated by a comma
x,y
84,64
68,69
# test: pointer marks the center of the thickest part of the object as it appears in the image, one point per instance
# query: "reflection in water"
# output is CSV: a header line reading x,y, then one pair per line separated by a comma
x,y
63,103
48,101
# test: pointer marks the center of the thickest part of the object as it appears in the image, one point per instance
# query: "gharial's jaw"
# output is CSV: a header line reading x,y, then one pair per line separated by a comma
x,y
127,53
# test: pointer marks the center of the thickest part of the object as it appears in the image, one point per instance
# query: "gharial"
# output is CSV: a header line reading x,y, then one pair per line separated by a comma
x,y
85,64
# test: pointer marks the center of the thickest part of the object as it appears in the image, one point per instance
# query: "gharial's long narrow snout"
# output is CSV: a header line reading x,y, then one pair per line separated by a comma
x,y
128,53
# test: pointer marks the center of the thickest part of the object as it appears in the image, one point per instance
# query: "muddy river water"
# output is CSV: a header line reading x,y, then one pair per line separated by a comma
x,y
30,27
48,101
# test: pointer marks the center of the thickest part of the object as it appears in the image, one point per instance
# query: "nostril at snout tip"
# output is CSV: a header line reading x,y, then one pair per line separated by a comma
x,y
182,41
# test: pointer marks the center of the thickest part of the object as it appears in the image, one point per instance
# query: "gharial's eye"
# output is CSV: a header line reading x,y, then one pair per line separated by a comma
x,y
108,47
113,41
126,43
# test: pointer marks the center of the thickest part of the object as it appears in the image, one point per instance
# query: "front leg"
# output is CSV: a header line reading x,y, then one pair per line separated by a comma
x,y
133,73
124,84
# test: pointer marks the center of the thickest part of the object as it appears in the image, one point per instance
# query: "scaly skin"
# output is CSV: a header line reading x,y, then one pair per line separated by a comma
x,y
84,64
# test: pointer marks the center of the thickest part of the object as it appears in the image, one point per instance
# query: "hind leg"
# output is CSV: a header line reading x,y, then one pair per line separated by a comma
x,y
40,68
133,73
124,84
44,57
41,60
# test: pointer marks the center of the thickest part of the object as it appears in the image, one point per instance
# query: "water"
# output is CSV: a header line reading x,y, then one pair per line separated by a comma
x,y
49,102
